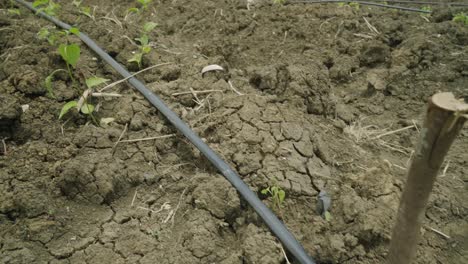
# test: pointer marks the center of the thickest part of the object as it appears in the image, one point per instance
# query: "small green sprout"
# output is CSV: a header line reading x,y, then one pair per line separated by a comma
x,y
328,217
355,5
277,194
461,18
144,3
426,8
144,45
83,105
14,11
86,10
48,83
77,3
279,2
47,6
51,37
95,81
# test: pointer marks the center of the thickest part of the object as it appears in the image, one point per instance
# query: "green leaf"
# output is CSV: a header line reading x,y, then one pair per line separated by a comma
x,y
95,81
133,10
40,2
86,10
14,11
281,196
77,3
146,49
149,26
144,40
67,108
144,3
70,53
43,33
74,30
264,191
48,85
137,58
87,108
328,216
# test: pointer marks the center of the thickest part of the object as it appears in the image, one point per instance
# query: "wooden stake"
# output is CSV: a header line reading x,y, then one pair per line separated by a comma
x,y
444,119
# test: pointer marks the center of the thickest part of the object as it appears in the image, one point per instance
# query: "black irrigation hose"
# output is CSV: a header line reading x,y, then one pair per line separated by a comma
x,y
421,2
276,226
362,3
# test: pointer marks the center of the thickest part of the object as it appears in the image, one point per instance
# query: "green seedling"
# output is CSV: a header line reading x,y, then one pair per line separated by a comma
x,y
350,4
276,193
51,37
70,53
14,11
279,2
133,10
47,6
426,8
328,217
77,3
461,18
48,83
144,3
354,5
144,46
83,105
86,10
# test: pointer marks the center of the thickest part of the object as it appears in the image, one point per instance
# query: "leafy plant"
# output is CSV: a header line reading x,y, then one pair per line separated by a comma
x,y
461,18
82,105
144,46
51,37
277,194
85,10
47,6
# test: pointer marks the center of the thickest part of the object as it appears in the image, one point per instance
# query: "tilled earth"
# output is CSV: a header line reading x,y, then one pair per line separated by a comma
x,y
307,99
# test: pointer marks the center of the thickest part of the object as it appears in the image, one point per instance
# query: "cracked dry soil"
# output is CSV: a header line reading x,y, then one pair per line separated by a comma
x,y
318,85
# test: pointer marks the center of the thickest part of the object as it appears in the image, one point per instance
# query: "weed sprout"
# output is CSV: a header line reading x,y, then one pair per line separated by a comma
x,y
144,47
47,6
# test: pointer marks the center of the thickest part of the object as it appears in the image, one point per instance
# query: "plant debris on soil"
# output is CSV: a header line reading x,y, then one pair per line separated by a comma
x,y
312,98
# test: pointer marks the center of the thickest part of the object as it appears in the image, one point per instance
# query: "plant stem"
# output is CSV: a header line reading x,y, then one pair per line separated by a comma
x,y
441,126
70,74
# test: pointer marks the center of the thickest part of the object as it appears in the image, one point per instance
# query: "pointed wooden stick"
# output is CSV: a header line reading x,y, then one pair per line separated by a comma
x,y
444,119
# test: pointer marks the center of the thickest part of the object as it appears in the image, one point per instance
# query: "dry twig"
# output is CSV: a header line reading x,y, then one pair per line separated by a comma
x,y
146,139
133,75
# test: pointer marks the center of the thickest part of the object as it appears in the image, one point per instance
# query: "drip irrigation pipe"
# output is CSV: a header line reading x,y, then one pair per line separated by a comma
x,y
275,225
420,2
362,3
